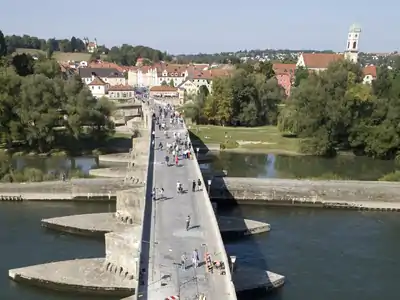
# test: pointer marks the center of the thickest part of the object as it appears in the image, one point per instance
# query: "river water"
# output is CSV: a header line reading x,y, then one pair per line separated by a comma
x,y
324,254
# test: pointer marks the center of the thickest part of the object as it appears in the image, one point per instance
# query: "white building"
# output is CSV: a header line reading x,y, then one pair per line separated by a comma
x,y
108,75
353,37
320,61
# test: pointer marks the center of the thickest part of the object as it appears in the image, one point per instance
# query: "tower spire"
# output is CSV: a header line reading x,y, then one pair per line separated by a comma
x,y
353,37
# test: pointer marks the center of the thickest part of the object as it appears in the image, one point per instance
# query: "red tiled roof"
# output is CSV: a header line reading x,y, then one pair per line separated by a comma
x,y
284,68
97,81
105,65
320,60
173,70
120,87
211,74
163,88
370,70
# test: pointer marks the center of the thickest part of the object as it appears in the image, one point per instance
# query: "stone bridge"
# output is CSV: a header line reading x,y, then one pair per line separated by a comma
x,y
128,110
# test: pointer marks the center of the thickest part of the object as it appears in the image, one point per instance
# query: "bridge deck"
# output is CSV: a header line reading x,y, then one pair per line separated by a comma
x,y
170,239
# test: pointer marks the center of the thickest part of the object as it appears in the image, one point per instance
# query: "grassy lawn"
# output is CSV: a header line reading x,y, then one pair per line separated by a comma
x,y
256,139
59,56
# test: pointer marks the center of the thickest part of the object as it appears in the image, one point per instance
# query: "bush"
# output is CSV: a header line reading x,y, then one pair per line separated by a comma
x,y
229,145
7,178
33,175
393,176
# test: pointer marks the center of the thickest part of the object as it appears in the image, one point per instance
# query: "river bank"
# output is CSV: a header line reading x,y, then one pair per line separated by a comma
x,y
95,189
351,194
265,139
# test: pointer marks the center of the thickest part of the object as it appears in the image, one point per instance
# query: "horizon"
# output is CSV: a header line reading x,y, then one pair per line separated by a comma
x,y
308,27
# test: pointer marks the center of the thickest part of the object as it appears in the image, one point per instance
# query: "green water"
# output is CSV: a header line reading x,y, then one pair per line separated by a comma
x,y
284,166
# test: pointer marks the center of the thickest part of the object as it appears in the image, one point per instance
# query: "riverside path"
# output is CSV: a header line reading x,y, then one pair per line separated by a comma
x,y
168,238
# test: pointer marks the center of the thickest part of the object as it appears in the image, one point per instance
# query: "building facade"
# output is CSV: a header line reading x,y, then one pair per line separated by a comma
x,y
108,75
316,62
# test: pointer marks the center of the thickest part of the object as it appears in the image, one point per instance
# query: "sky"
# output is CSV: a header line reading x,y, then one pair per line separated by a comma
x,y
209,26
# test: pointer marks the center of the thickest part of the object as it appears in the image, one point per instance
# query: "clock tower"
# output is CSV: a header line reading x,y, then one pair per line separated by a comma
x,y
353,38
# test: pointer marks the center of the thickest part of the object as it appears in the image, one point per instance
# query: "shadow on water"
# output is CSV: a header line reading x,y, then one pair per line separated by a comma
x,y
342,167
223,208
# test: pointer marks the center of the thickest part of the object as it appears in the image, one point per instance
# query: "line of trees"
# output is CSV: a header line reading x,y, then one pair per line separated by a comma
x,y
334,110
249,97
127,55
124,55
42,108
32,42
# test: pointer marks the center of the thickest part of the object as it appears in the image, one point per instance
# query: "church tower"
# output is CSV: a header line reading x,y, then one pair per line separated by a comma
x,y
351,52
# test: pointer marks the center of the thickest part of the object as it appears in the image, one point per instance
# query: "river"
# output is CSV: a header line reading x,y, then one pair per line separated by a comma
x,y
246,165
324,254
287,166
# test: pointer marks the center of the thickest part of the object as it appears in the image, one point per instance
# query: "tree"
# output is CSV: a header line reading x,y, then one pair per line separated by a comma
x,y
74,44
49,67
23,64
3,45
41,108
248,97
49,50
300,74
164,83
171,83
333,110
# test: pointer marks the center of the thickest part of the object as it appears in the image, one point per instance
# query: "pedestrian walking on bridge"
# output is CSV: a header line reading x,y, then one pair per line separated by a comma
x,y
188,223
195,258
194,186
183,261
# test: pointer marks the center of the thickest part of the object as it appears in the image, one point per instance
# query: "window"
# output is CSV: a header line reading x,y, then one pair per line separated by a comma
x,y
354,45
118,95
98,87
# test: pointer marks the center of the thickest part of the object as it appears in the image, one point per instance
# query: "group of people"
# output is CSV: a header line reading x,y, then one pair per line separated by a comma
x,y
195,259
179,148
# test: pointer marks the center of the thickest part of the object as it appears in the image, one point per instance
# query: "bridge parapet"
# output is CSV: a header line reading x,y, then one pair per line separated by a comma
x,y
208,215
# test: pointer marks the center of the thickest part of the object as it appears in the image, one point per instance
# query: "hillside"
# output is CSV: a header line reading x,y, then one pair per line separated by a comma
x,y
58,55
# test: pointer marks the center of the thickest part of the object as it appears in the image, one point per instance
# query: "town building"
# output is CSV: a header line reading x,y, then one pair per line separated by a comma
x,y
317,62
98,87
121,92
109,75
369,74
91,46
164,91
284,74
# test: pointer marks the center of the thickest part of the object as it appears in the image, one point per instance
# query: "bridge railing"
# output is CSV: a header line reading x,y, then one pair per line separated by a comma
x,y
145,237
210,217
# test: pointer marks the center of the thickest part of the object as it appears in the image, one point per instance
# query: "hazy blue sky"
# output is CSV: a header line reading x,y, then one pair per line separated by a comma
x,y
182,26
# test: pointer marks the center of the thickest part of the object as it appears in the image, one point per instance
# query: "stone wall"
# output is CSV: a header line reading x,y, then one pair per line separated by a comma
x,y
124,248
130,205
122,252
258,189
